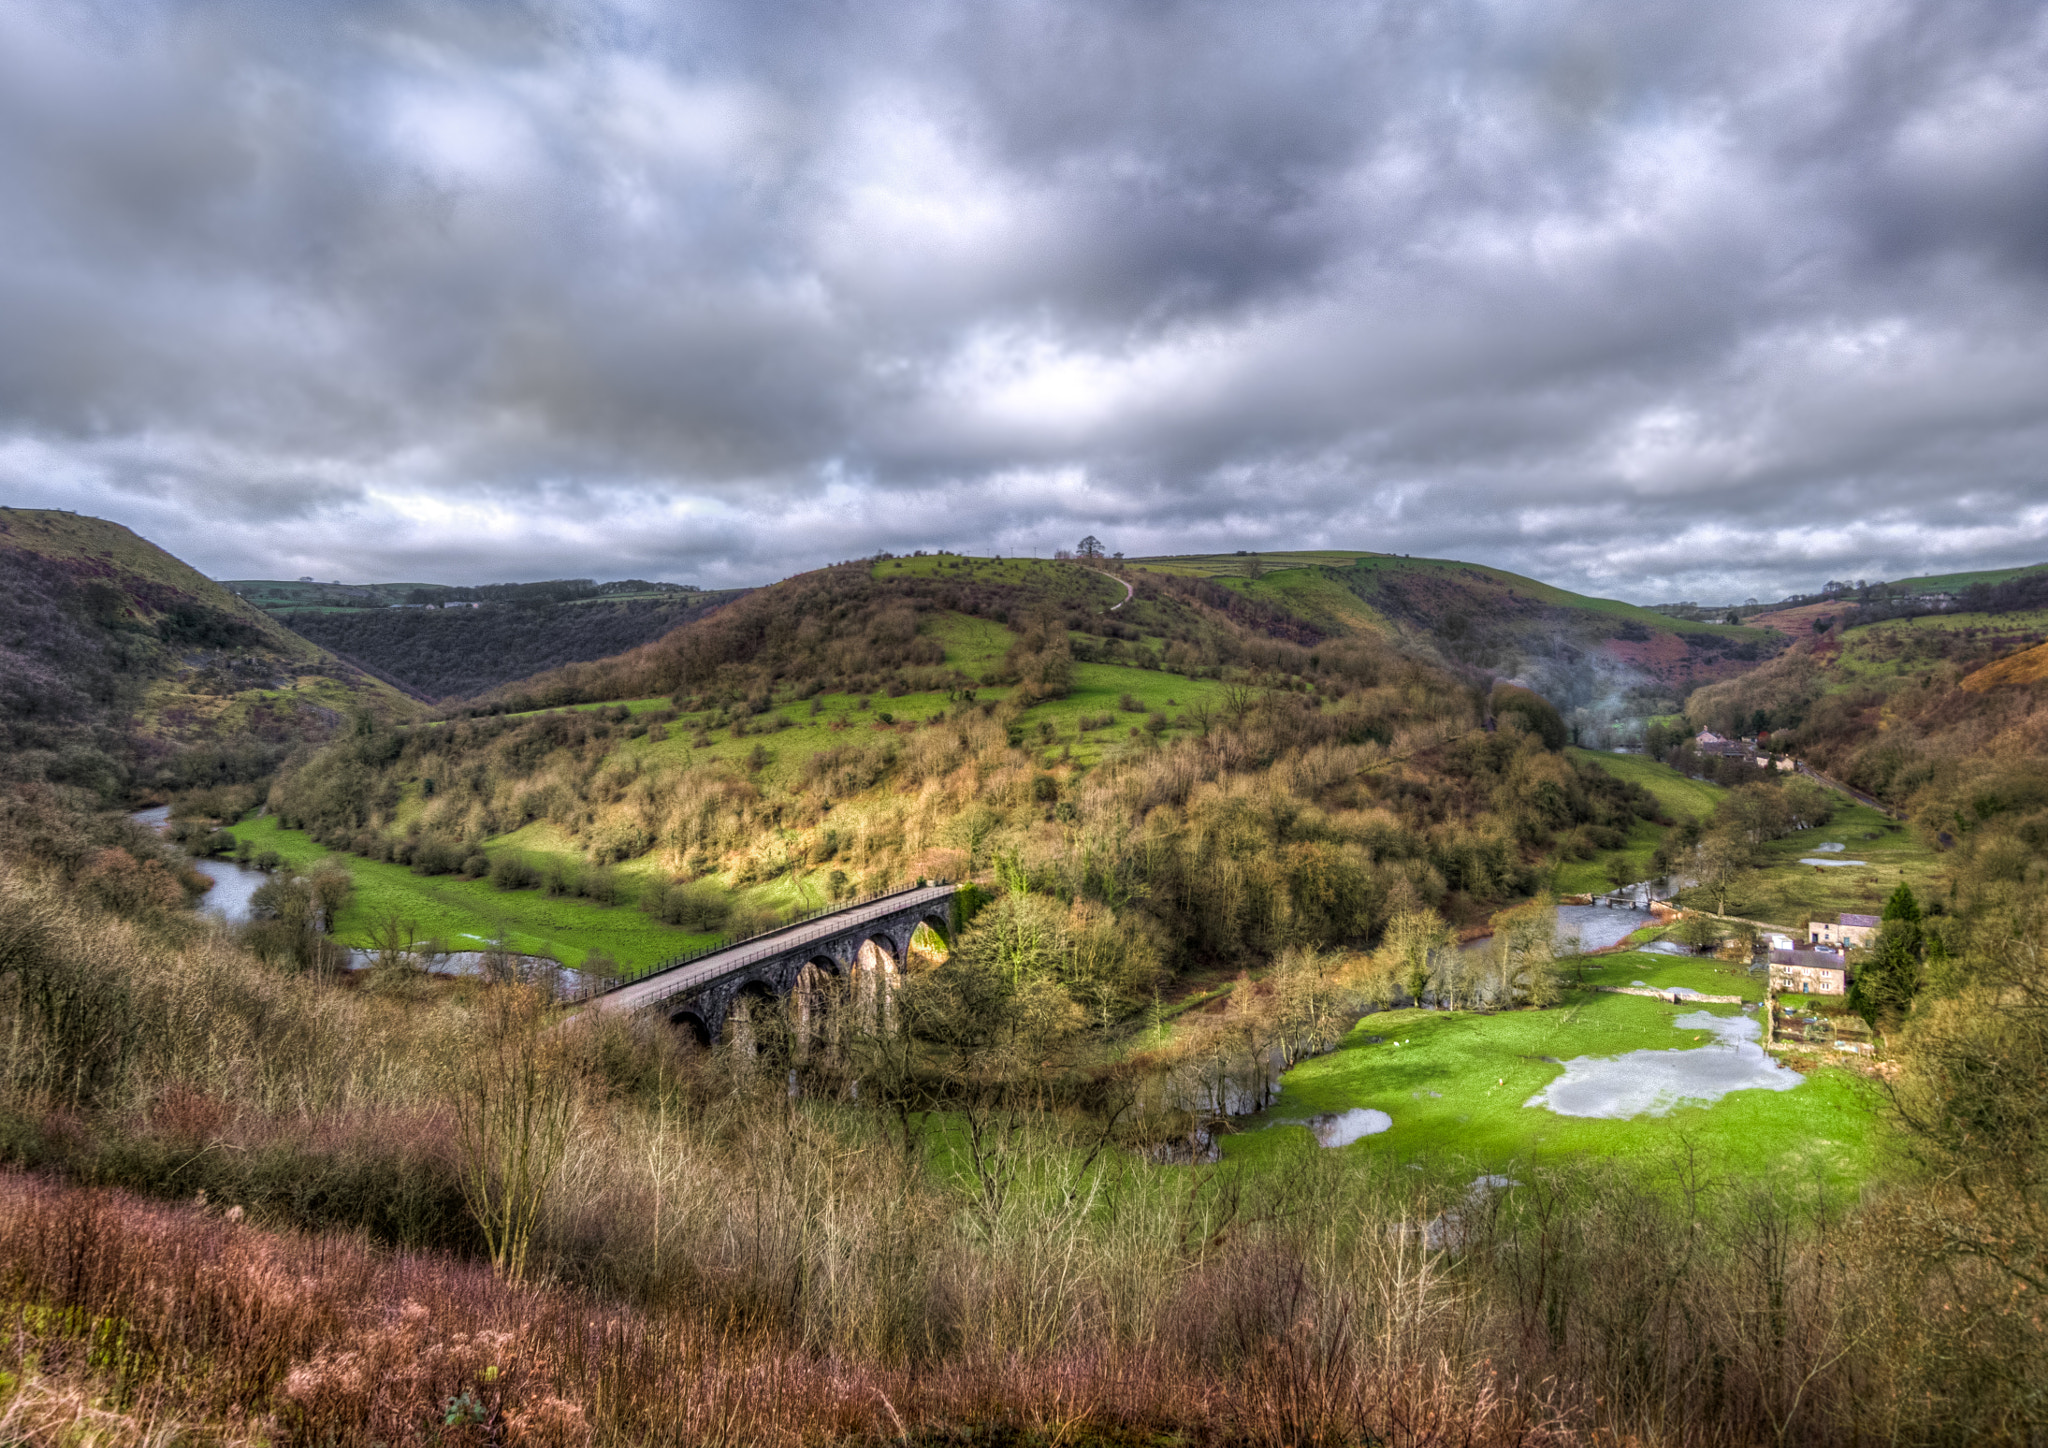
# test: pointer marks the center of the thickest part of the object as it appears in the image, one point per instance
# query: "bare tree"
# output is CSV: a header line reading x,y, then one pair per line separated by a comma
x,y
1238,701
1090,547
514,1106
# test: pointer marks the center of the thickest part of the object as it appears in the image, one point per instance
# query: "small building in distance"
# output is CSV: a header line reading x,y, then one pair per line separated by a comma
x,y
1847,930
1809,972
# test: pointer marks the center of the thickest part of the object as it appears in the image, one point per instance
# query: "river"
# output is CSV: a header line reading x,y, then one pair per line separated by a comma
x,y
233,885
1596,926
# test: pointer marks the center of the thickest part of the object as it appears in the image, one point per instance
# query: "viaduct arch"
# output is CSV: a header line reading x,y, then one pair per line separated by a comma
x,y
699,994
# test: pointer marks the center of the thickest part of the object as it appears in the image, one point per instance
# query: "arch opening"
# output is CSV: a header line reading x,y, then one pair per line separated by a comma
x,y
929,943
691,1027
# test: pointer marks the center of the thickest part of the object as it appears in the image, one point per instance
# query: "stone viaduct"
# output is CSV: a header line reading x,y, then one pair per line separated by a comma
x,y
862,946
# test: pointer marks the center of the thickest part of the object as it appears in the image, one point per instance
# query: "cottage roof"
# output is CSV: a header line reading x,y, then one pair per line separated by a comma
x,y
1864,922
1811,959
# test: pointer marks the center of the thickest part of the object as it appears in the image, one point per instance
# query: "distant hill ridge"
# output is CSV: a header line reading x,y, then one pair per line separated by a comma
x,y
1581,652
122,667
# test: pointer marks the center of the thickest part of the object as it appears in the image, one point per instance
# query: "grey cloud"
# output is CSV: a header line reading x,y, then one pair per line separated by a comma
x,y
1652,300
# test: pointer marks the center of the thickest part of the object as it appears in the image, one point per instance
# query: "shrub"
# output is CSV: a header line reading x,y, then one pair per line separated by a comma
x,y
699,907
509,872
436,857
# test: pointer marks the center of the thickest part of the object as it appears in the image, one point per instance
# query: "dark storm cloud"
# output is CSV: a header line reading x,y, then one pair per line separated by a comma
x,y
1653,299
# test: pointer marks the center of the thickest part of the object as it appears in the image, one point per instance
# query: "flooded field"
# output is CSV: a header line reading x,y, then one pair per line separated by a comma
x,y
1653,1083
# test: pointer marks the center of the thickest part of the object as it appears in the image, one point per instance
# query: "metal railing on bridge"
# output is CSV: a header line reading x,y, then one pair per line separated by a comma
x,y
591,989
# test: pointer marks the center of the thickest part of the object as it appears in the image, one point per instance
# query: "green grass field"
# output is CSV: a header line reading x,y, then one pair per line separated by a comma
x,y
1590,877
1316,595
463,914
2019,622
1098,690
839,721
1953,582
1904,649
1791,893
1681,796
1457,1085
1233,565
1665,972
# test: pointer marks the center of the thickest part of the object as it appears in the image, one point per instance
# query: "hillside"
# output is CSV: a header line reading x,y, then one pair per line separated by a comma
x,y
120,666
1599,660
1940,718
1957,582
451,653
945,716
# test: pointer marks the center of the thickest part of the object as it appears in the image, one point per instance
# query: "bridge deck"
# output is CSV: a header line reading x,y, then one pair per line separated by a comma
x,y
657,988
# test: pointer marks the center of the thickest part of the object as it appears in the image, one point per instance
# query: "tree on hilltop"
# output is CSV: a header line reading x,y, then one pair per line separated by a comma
x,y
1090,547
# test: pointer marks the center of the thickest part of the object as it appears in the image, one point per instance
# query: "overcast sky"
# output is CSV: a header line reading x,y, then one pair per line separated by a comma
x,y
1655,298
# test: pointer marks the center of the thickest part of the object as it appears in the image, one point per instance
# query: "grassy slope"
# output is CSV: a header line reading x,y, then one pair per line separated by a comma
x,y
1482,1069
101,545
1952,582
462,914
183,703
1060,581
1898,648
2027,667
1232,565
1782,890
1315,594
1791,893
1680,797
1279,582
449,909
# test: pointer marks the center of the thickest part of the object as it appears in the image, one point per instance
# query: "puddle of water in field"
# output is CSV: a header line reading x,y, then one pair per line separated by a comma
x,y
1654,1083
1341,1128
1831,848
1668,947
1831,864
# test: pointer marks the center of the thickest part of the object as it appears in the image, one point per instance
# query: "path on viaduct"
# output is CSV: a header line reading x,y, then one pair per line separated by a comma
x,y
700,993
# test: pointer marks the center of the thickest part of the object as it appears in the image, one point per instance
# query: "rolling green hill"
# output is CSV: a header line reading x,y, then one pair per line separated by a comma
x,y
121,667
1607,660
1957,582
946,716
